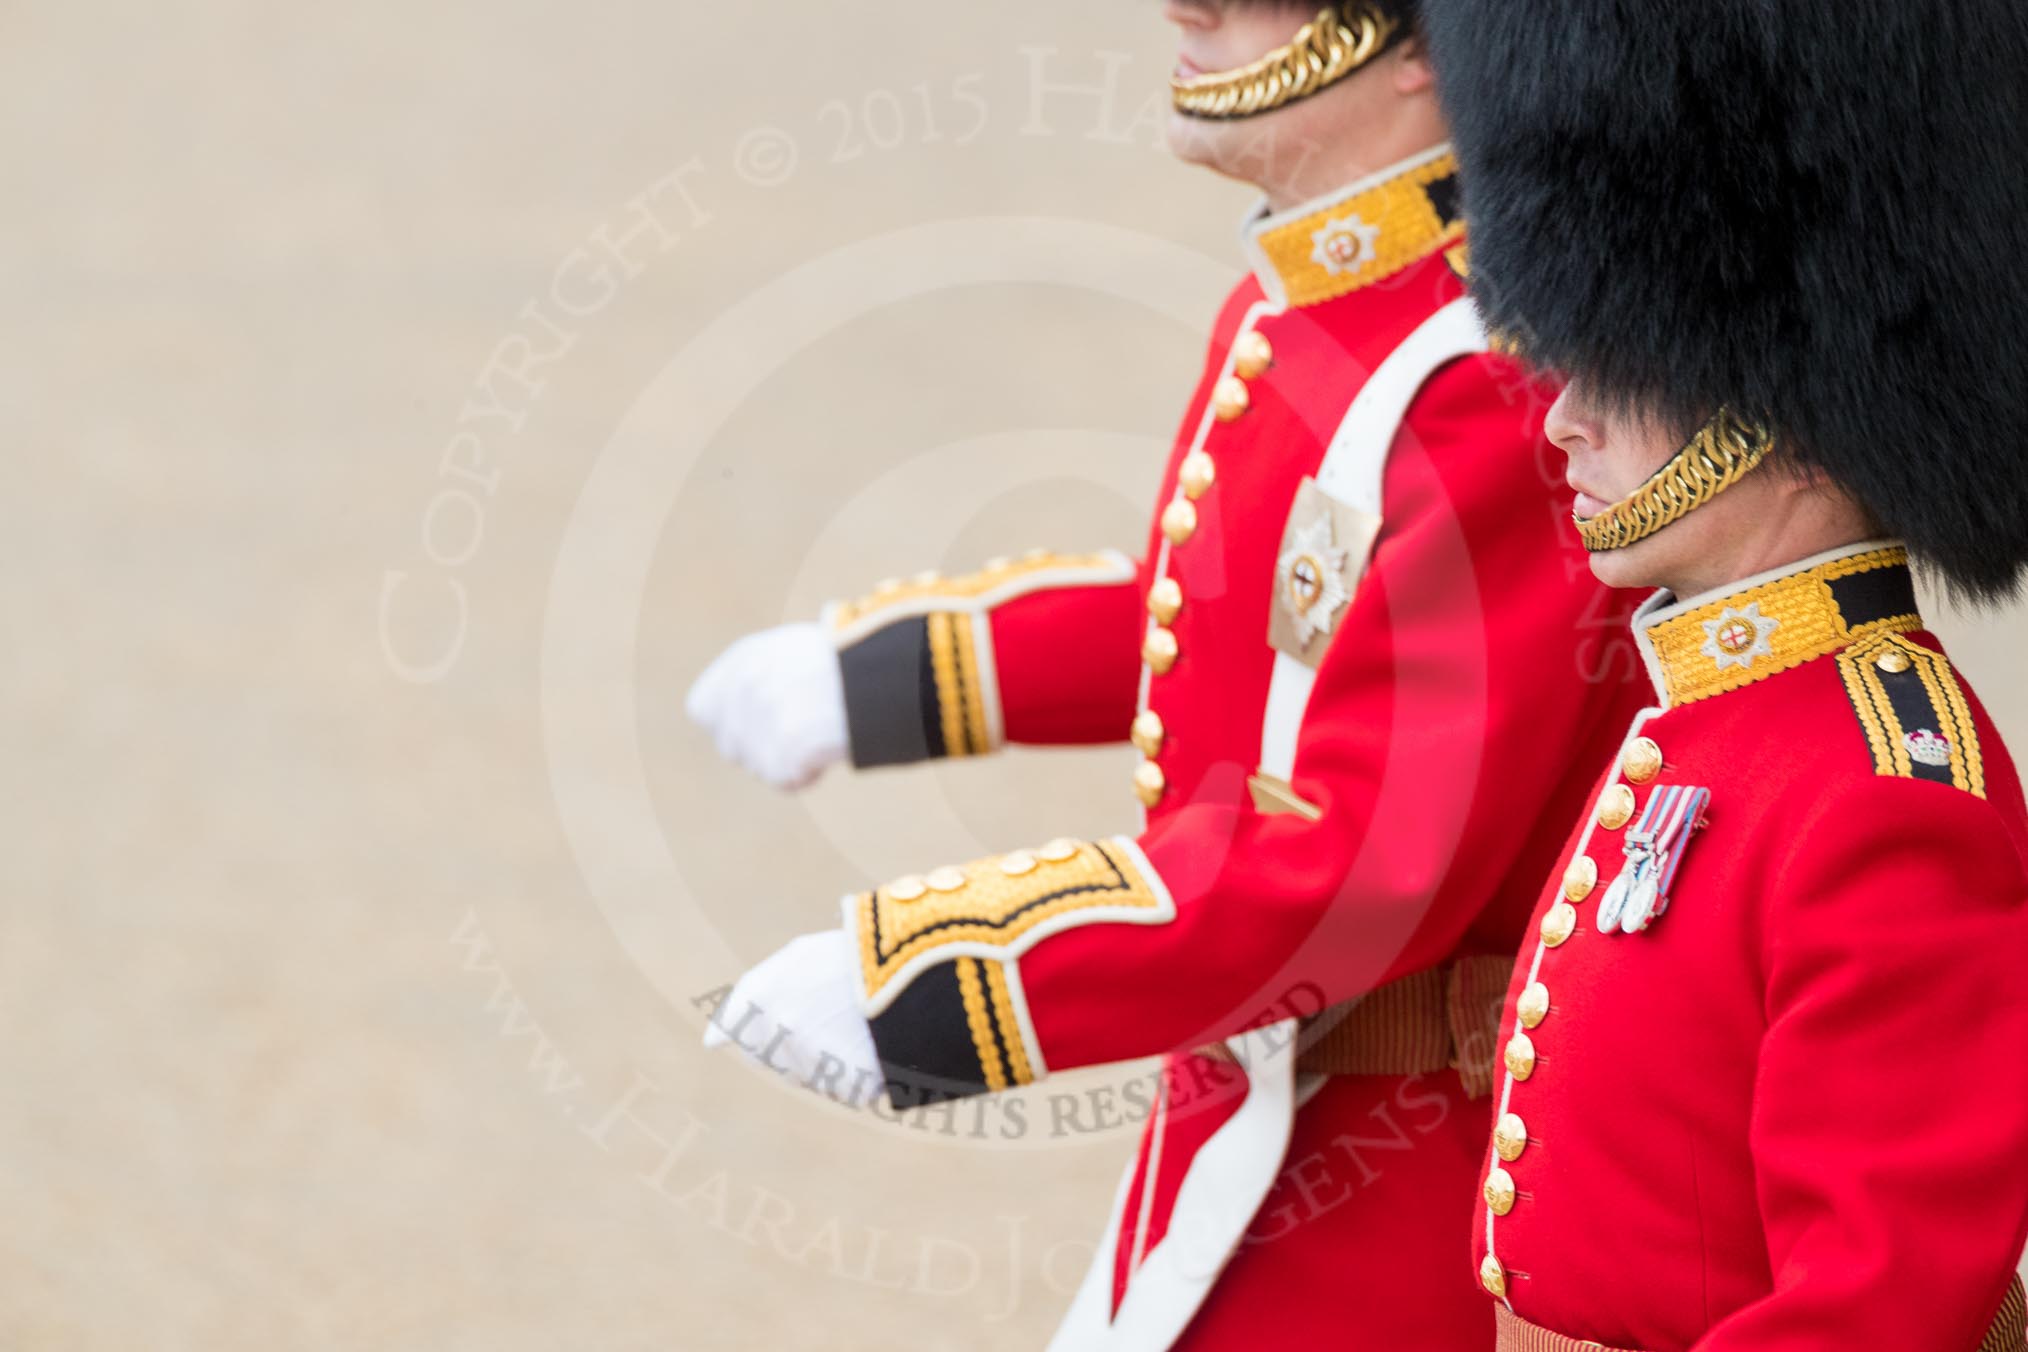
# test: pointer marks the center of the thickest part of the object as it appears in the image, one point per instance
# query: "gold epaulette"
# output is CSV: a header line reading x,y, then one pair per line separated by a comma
x,y
1913,709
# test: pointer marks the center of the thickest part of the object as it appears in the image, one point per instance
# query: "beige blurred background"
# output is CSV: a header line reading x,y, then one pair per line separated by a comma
x,y
404,403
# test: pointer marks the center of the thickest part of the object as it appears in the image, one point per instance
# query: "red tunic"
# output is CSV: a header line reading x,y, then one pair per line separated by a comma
x,y
1466,677
1790,1112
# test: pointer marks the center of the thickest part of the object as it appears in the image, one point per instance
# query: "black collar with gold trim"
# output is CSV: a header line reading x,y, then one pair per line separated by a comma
x,y
1363,234
1708,645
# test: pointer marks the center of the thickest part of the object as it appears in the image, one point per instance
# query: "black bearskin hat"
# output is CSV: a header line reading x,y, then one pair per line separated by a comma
x,y
1813,211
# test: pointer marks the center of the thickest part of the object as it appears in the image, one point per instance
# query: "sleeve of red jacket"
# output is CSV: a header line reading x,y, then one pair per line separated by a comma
x,y
1889,1107
1441,713
1039,649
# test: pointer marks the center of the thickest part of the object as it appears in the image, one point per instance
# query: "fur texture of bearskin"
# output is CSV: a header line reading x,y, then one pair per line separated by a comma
x,y
1815,211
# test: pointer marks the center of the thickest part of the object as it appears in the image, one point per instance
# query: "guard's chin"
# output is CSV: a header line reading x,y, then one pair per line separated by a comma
x,y
1633,566
1190,139
1232,150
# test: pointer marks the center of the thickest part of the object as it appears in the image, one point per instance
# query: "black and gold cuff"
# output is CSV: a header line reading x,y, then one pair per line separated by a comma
x,y
914,691
951,1033
917,656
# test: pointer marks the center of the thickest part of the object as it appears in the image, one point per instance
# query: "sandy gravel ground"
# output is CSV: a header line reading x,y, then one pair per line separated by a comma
x,y
403,402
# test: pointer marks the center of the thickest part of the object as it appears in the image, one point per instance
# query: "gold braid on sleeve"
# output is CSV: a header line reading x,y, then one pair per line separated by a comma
x,y
1724,451
1341,39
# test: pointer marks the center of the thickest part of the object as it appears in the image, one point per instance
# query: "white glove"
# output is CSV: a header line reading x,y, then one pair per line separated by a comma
x,y
775,703
797,1008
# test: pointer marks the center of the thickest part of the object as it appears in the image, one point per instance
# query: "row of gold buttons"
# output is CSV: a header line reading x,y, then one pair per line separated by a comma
x,y
1640,762
1251,355
951,878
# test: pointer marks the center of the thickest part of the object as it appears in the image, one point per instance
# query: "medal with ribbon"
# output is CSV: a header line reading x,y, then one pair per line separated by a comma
x,y
1654,847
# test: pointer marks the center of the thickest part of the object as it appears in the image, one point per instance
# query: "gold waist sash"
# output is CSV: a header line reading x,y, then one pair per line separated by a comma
x,y
1444,1018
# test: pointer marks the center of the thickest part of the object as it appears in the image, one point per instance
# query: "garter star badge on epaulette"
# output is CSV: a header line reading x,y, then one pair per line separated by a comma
x,y
1324,549
1655,848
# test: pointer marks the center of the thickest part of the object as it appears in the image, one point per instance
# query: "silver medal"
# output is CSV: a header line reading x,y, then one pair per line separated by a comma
x,y
1641,899
1615,900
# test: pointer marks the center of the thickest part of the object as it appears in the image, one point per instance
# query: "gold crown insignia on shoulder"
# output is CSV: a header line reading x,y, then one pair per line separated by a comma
x,y
1914,712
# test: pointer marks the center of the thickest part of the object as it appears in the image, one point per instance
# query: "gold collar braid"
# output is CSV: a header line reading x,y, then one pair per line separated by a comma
x,y
1341,39
1724,451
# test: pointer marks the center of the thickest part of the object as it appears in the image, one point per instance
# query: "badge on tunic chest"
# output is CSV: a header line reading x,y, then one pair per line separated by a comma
x,y
1323,553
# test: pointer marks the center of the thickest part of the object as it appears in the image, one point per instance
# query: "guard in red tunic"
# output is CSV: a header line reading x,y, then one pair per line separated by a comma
x,y
1365,667
1762,1084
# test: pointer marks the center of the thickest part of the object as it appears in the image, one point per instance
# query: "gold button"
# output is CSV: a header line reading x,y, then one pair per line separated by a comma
x,y
999,563
1510,1137
946,879
1251,355
1165,599
1492,1276
1580,878
907,889
1559,923
1196,474
887,586
1533,1006
1149,783
1894,661
929,577
1616,807
1230,399
1017,862
1179,520
1058,850
1641,761
1499,1191
1520,1056
1158,650
1148,732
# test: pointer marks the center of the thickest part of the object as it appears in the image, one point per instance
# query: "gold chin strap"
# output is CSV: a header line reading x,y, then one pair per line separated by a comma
x,y
1340,40
1724,451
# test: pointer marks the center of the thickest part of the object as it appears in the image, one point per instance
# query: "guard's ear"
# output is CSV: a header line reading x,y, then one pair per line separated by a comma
x,y
1413,73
